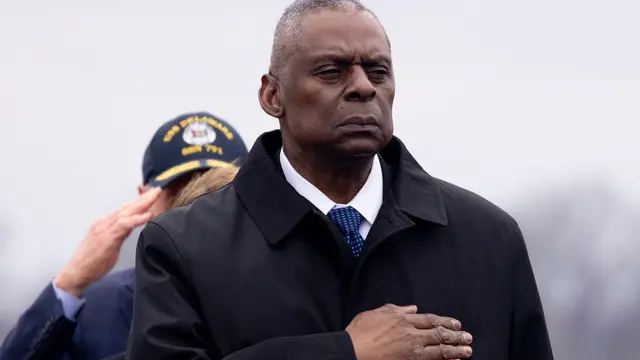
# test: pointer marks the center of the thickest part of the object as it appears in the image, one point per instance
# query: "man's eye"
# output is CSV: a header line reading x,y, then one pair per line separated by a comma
x,y
330,74
378,71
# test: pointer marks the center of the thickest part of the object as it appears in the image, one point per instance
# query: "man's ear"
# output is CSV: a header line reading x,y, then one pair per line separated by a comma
x,y
269,96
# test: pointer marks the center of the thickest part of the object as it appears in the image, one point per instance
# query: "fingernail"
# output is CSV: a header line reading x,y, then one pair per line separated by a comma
x,y
467,337
457,324
467,350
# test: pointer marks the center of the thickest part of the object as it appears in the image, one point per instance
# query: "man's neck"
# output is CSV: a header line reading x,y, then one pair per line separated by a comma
x,y
340,180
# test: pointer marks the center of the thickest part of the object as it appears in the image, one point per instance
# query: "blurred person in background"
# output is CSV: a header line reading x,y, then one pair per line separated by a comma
x,y
200,184
83,314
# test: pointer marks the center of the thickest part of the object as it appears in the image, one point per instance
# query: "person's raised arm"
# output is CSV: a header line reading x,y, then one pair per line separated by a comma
x,y
46,329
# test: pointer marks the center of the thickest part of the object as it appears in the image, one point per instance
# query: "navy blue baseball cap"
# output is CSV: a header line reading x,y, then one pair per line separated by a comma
x,y
188,143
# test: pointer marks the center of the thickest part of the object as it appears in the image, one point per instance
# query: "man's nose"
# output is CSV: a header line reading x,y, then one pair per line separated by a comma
x,y
360,86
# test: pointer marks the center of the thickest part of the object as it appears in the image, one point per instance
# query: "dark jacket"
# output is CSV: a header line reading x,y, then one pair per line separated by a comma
x,y
101,327
254,271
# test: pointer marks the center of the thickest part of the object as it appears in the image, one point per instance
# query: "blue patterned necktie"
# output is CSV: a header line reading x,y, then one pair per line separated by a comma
x,y
348,220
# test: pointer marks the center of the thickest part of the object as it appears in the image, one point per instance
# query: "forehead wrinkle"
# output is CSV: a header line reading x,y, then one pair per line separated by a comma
x,y
339,47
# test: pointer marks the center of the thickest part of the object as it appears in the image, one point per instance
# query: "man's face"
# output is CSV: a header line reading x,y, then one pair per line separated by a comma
x,y
337,91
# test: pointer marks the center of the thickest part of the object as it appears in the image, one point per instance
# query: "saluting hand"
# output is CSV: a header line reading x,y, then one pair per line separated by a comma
x,y
400,333
100,249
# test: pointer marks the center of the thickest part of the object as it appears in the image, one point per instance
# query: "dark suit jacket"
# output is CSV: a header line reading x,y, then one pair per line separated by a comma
x,y
255,271
101,328
120,356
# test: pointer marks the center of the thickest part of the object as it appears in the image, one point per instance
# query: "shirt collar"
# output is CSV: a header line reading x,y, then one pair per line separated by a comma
x,y
277,208
367,201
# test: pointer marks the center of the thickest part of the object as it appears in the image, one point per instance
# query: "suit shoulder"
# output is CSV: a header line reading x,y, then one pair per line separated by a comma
x,y
207,215
458,200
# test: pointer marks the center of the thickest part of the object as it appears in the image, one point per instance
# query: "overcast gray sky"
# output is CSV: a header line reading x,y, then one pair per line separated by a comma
x,y
503,97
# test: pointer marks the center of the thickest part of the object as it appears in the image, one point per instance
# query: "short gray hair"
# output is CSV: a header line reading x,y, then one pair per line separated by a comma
x,y
291,20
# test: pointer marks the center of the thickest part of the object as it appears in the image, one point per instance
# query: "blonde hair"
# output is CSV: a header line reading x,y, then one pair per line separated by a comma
x,y
200,184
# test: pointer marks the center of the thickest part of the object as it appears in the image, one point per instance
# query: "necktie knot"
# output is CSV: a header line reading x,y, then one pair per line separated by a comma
x,y
347,219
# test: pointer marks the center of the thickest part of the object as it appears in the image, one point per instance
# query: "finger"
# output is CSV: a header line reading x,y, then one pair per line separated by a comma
x,y
103,223
127,206
145,199
106,219
409,309
441,335
125,209
446,352
125,224
431,321
142,203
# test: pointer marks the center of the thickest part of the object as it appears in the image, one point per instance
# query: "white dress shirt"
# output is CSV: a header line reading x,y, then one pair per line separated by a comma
x,y
367,201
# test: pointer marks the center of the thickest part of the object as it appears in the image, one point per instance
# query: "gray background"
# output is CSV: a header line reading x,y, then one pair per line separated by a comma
x,y
533,105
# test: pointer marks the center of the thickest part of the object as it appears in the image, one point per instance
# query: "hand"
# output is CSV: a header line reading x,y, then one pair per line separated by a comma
x,y
100,249
399,333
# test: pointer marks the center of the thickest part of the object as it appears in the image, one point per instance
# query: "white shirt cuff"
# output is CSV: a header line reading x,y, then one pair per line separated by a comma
x,y
71,305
